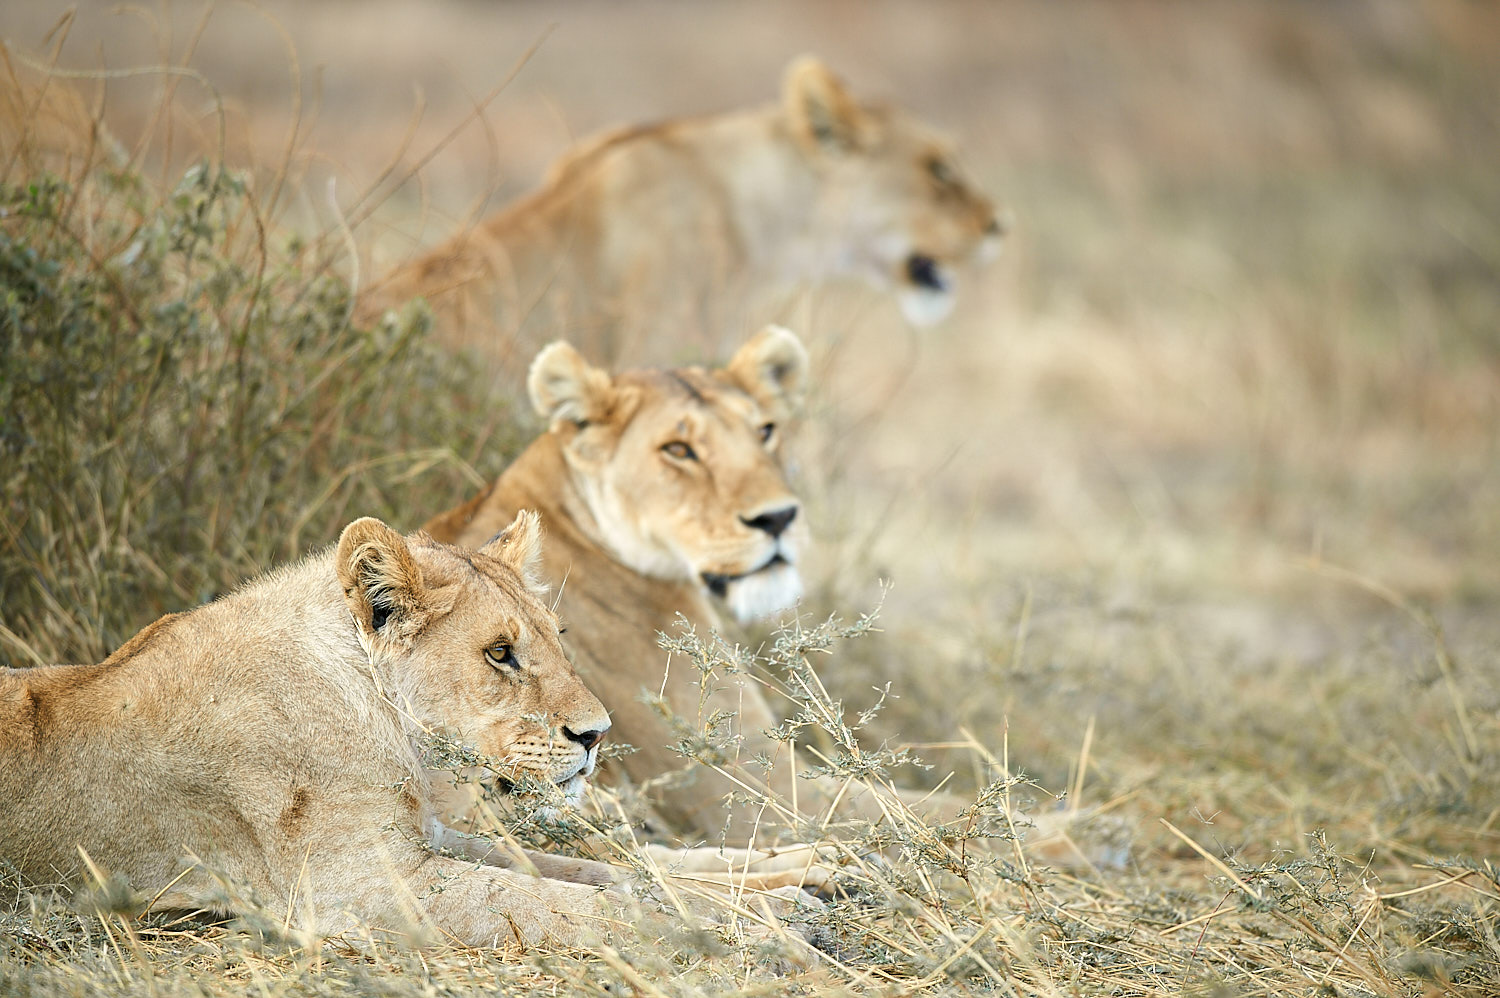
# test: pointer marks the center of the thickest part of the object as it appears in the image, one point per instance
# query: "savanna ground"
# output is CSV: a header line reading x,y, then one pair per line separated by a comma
x,y
1191,513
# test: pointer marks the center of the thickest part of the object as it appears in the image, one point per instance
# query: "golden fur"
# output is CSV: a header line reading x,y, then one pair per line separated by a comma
x,y
269,745
682,226
640,535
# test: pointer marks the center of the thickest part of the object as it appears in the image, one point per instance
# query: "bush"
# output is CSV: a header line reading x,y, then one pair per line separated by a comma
x,y
183,404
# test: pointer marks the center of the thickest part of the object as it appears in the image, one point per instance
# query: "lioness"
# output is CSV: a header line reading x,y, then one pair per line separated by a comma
x,y
661,490
268,745
682,223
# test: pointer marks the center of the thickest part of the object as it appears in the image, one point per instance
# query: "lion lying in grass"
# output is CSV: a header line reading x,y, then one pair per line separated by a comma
x,y
663,493
683,224
268,746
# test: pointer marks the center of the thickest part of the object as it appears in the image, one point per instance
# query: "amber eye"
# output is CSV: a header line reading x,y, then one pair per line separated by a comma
x,y
500,654
940,171
677,450
766,432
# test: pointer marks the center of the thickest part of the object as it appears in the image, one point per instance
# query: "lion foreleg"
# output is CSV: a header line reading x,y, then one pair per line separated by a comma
x,y
508,855
482,905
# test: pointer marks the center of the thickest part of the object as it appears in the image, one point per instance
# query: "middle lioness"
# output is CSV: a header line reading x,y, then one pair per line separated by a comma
x,y
659,489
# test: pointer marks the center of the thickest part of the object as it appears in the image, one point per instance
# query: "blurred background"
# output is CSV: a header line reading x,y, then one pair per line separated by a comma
x,y
1196,497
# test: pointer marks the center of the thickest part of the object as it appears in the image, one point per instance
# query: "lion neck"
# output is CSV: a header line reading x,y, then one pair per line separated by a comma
x,y
541,479
774,197
304,601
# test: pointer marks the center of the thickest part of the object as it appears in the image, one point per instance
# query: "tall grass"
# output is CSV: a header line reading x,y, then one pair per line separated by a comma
x,y
184,402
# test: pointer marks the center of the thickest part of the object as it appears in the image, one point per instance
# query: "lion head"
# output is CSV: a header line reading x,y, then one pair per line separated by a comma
x,y
470,648
901,211
680,468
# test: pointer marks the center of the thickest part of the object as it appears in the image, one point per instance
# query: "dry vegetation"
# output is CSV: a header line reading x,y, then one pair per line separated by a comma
x,y
1191,511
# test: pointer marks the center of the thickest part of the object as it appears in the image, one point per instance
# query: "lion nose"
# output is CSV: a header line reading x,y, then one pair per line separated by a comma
x,y
774,523
588,739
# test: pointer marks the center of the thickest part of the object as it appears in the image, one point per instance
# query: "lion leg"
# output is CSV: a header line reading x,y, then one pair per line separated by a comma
x,y
481,905
509,856
768,869
489,906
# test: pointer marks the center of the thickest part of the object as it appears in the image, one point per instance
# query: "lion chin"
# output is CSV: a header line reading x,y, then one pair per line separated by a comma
x,y
928,294
763,593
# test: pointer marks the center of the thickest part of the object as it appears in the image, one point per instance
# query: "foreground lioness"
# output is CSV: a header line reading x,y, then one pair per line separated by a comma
x,y
683,224
268,745
660,491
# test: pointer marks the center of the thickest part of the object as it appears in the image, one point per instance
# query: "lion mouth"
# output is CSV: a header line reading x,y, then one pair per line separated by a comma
x,y
929,293
530,783
718,583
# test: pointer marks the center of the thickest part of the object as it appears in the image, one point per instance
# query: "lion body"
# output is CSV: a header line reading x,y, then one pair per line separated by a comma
x,y
266,748
695,227
638,539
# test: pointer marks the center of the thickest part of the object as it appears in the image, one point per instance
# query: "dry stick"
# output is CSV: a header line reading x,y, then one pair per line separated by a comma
x,y
1003,765
1193,956
1426,621
1297,921
612,958
122,974
1083,765
1464,875
1370,910
284,168
61,28
20,643
134,71
350,246
1302,923
169,89
359,212
170,884
1223,867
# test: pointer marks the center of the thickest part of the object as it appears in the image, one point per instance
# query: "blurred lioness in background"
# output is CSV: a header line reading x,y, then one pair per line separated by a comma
x,y
684,228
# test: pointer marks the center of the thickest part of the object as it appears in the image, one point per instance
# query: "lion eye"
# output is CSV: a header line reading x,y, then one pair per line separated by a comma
x,y
940,171
766,431
679,451
500,654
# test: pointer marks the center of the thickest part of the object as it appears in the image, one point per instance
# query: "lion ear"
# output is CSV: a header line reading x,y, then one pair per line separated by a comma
x,y
520,547
821,111
382,581
565,388
772,368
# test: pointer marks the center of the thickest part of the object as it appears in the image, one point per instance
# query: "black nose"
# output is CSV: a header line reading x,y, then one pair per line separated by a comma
x,y
996,227
774,522
923,272
588,739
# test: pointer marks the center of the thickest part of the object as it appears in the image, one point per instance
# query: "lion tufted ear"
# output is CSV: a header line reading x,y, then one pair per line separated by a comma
x,y
820,110
772,368
565,388
382,581
520,546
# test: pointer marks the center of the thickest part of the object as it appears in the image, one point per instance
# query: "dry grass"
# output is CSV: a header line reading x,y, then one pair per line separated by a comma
x,y
1190,512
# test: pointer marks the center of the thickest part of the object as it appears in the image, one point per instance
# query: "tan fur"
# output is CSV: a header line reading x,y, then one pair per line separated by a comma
x,y
631,532
685,228
268,745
